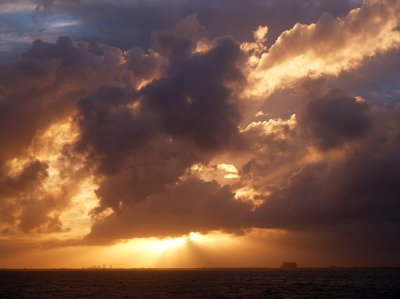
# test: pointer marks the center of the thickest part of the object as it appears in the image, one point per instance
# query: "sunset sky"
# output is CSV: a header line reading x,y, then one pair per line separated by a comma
x,y
199,133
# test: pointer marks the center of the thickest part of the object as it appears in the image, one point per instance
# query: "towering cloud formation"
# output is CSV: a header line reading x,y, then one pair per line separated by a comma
x,y
145,141
328,46
180,132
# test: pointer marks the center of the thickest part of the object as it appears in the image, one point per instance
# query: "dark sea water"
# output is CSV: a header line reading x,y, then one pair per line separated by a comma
x,y
244,283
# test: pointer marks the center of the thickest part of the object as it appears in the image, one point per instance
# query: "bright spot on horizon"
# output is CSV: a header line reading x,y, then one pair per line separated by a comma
x,y
159,245
165,244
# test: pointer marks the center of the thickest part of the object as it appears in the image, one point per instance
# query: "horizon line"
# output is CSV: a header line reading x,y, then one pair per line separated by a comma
x,y
195,268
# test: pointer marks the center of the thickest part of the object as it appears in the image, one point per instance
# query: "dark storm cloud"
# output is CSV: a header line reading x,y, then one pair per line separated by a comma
x,y
144,141
192,205
334,119
146,170
192,99
109,128
358,183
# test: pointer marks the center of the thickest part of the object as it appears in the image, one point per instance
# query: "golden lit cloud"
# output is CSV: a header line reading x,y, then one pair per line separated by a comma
x,y
326,47
277,127
65,182
221,172
187,146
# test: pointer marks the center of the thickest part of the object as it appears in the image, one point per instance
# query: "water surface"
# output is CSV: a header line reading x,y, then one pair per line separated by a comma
x,y
207,283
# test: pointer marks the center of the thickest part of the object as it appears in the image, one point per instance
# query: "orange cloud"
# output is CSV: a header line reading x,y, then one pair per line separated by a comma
x,y
330,46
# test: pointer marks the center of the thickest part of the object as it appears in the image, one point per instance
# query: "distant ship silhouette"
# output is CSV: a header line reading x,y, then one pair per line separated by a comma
x,y
289,265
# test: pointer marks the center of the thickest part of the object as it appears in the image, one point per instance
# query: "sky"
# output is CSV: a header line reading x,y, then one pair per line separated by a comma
x,y
188,133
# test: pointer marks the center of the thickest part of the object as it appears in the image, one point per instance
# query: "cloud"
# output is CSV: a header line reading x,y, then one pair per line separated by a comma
x,y
162,137
327,46
25,203
193,96
142,143
335,119
353,181
44,96
38,96
191,205
126,24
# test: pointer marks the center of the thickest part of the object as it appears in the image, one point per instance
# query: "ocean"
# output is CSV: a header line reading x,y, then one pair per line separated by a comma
x,y
201,283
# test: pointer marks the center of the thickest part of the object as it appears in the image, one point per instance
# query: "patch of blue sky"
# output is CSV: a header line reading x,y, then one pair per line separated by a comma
x,y
19,28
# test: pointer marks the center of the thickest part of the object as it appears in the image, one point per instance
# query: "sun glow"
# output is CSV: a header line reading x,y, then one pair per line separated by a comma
x,y
165,244
191,250
159,245
194,250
